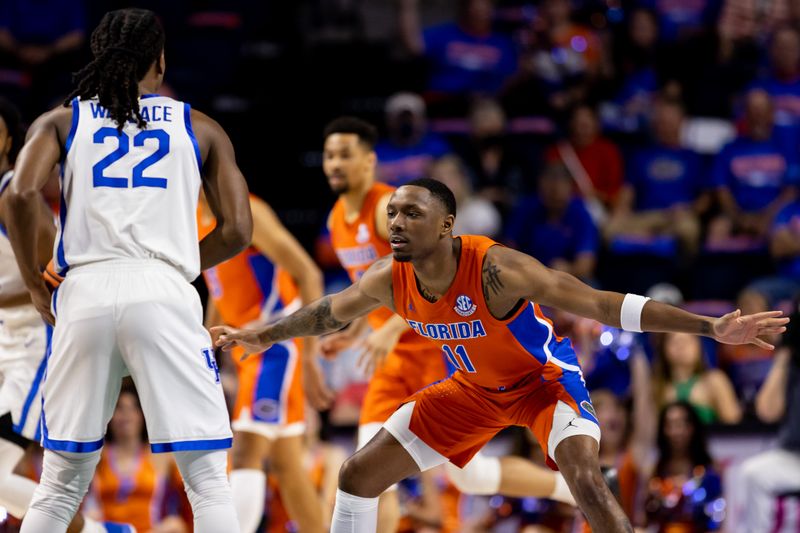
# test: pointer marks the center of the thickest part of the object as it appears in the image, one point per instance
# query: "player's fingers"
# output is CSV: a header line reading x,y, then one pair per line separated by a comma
x,y
773,322
762,344
766,314
771,331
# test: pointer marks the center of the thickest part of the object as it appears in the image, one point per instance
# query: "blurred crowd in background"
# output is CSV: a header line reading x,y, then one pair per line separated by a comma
x,y
646,146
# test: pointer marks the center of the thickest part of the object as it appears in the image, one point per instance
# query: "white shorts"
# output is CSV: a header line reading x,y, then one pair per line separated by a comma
x,y
140,317
24,340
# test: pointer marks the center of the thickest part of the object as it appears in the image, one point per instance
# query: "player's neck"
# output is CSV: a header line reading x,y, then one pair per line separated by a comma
x,y
148,86
354,198
437,271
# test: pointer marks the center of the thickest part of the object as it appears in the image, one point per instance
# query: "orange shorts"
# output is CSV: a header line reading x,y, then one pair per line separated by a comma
x,y
406,370
270,400
457,418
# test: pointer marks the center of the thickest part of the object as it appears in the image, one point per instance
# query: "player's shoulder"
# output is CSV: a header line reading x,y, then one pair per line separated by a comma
x,y
58,119
377,280
504,257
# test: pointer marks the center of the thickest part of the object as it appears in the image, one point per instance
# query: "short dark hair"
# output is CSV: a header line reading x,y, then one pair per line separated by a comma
x,y
10,115
438,189
367,133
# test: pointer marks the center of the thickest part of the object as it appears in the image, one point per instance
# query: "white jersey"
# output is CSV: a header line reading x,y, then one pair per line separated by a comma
x,y
131,195
11,283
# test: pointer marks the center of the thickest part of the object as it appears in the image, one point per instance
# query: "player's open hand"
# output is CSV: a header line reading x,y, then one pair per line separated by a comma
x,y
317,392
734,328
226,337
375,347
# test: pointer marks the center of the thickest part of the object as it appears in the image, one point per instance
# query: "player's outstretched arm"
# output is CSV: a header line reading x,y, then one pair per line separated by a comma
x,y
226,192
524,277
42,151
327,314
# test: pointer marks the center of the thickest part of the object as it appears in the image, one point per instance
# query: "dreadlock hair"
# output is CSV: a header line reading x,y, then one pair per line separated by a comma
x,y
10,115
124,46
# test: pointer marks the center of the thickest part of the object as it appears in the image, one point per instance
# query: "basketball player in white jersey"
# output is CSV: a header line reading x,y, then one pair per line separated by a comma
x,y
132,166
24,340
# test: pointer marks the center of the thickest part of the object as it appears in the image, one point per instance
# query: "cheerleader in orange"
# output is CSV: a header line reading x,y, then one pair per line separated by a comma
x,y
476,300
132,484
272,277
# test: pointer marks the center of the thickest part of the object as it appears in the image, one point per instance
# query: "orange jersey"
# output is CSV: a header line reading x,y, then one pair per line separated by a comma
x,y
358,245
137,499
491,353
245,288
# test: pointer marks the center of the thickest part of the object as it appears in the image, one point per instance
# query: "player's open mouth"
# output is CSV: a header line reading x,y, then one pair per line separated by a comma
x,y
397,242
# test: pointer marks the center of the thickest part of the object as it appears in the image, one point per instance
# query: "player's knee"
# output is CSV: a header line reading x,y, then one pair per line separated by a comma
x,y
354,478
480,476
205,478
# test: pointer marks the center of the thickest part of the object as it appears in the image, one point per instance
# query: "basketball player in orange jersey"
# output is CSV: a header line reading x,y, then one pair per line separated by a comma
x,y
476,300
359,234
251,289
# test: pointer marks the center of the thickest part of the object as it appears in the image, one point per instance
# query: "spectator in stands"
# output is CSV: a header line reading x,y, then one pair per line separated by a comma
x,y
132,484
773,477
755,175
566,58
750,19
684,488
495,168
662,192
783,81
594,162
785,249
680,374
476,215
555,226
681,20
42,39
410,148
464,56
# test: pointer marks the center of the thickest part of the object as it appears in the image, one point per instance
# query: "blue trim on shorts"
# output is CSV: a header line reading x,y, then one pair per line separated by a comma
x,y
69,445
37,380
192,445
114,527
187,120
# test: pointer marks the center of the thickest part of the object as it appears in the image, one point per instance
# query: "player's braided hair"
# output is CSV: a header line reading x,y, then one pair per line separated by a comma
x,y
124,45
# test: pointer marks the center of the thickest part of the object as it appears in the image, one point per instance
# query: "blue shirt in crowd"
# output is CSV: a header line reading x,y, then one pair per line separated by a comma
x,y
789,216
41,22
397,165
461,62
533,234
663,177
679,16
754,171
785,97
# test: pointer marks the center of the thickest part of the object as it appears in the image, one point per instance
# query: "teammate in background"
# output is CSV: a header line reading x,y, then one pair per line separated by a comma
x,y
476,300
24,341
132,484
133,163
252,289
403,361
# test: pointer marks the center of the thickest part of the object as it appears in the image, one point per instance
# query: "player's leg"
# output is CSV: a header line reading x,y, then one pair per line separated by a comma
x,y
248,480
169,355
297,491
577,457
80,389
389,503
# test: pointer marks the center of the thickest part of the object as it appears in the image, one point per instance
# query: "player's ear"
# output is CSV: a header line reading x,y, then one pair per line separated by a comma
x,y
161,64
448,223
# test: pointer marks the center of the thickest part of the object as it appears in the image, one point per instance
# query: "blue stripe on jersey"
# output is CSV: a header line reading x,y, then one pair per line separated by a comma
x,y
54,301
6,181
191,445
76,113
37,380
187,120
153,95
530,333
62,217
264,273
266,402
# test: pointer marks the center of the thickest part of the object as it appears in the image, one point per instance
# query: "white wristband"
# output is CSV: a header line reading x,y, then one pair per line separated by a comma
x,y
630,316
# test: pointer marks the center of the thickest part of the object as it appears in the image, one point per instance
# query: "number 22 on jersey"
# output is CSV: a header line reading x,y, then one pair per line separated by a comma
x,y
138,179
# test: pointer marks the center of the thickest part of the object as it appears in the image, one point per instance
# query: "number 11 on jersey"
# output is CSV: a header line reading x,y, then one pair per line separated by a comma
x,y
459,358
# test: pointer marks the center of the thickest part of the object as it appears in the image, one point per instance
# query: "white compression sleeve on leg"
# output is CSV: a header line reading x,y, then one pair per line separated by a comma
x,y
248,487
481,476
65,479
206,481
354,514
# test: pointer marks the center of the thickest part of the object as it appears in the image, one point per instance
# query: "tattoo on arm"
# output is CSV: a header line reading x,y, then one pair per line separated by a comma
x,y
705,328
491,280
314,319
